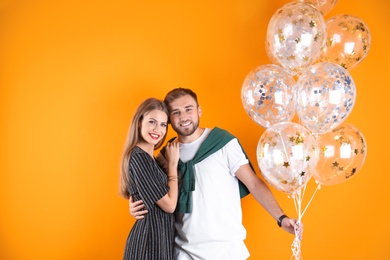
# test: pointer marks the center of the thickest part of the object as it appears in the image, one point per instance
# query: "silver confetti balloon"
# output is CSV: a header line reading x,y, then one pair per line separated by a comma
x,y
267,95
326,94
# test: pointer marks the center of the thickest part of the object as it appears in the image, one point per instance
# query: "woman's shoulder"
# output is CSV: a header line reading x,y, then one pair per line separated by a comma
x,y
139,154
136,149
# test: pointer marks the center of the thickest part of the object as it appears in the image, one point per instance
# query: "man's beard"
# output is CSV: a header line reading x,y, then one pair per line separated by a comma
x,y
187,132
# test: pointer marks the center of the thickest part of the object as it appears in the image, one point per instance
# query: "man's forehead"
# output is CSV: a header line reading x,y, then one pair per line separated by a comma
x,y
173,108
183,102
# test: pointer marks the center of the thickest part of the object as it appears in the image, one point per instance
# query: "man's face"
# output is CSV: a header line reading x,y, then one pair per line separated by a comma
x,y
184,115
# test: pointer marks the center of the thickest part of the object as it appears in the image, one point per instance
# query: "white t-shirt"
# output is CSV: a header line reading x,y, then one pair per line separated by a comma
x,y
213,230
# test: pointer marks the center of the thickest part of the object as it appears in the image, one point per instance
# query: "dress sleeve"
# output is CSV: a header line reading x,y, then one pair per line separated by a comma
x,y
148,178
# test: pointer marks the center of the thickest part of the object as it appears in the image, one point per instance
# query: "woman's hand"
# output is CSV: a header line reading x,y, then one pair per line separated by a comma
x,y
172,153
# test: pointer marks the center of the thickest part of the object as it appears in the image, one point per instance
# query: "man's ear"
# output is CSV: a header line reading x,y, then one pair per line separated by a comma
x,y
199,111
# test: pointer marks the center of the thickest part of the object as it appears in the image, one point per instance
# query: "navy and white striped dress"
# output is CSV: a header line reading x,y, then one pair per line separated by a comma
x,y
152,237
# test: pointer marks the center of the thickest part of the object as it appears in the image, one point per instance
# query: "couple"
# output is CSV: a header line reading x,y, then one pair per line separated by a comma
x,y
202,186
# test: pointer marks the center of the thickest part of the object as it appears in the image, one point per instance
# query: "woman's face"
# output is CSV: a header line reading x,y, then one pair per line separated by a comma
x,y
154,126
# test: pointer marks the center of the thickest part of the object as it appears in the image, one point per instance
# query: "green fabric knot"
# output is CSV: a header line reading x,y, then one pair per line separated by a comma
x,y
216,139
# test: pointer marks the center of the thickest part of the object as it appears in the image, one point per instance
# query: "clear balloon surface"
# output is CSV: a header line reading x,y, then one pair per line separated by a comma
x,y
324,6
296,34
269,54
348,41
287,156
267,95
342,153
326,95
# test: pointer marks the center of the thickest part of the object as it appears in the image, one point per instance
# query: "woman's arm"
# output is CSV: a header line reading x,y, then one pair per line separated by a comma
x,y
169,201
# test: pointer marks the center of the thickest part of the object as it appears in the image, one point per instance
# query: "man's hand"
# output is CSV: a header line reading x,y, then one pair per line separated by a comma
x,y
292,226
137,209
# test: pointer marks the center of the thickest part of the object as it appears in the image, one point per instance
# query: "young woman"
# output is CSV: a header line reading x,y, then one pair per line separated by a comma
x,y
143,179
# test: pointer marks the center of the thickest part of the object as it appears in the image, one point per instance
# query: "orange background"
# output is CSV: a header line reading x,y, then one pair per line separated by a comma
x,y
73,72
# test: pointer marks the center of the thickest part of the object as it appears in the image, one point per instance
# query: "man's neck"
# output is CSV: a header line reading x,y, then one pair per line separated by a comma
x,y
191,138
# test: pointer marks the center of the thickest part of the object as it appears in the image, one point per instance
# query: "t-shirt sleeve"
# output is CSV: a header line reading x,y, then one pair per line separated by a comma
x,y
235,156
149,181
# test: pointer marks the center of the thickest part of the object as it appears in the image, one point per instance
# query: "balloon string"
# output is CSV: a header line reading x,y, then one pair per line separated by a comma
x,y
284,147
296,245
298,198
312,196
297,202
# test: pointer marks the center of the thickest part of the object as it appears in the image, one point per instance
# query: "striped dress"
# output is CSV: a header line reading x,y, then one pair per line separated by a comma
x,y
152,237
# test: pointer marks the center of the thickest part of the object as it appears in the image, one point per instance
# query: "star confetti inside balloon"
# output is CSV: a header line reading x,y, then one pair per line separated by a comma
x,y
287,156
324,6
342,153
348,41
296,34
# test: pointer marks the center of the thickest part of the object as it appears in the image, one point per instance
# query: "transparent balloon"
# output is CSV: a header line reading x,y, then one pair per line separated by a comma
x,y
348,41
296,34
324,6
342,153
267,95
269,54
287,156
325,97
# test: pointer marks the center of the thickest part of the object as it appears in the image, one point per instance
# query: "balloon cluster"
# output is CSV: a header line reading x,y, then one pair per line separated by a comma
x,y
309,77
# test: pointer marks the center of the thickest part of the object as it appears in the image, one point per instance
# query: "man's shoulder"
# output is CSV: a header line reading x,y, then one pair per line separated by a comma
x,y
221,131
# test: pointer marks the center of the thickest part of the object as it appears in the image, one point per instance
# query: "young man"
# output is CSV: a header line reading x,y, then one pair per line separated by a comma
x,y
215,174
